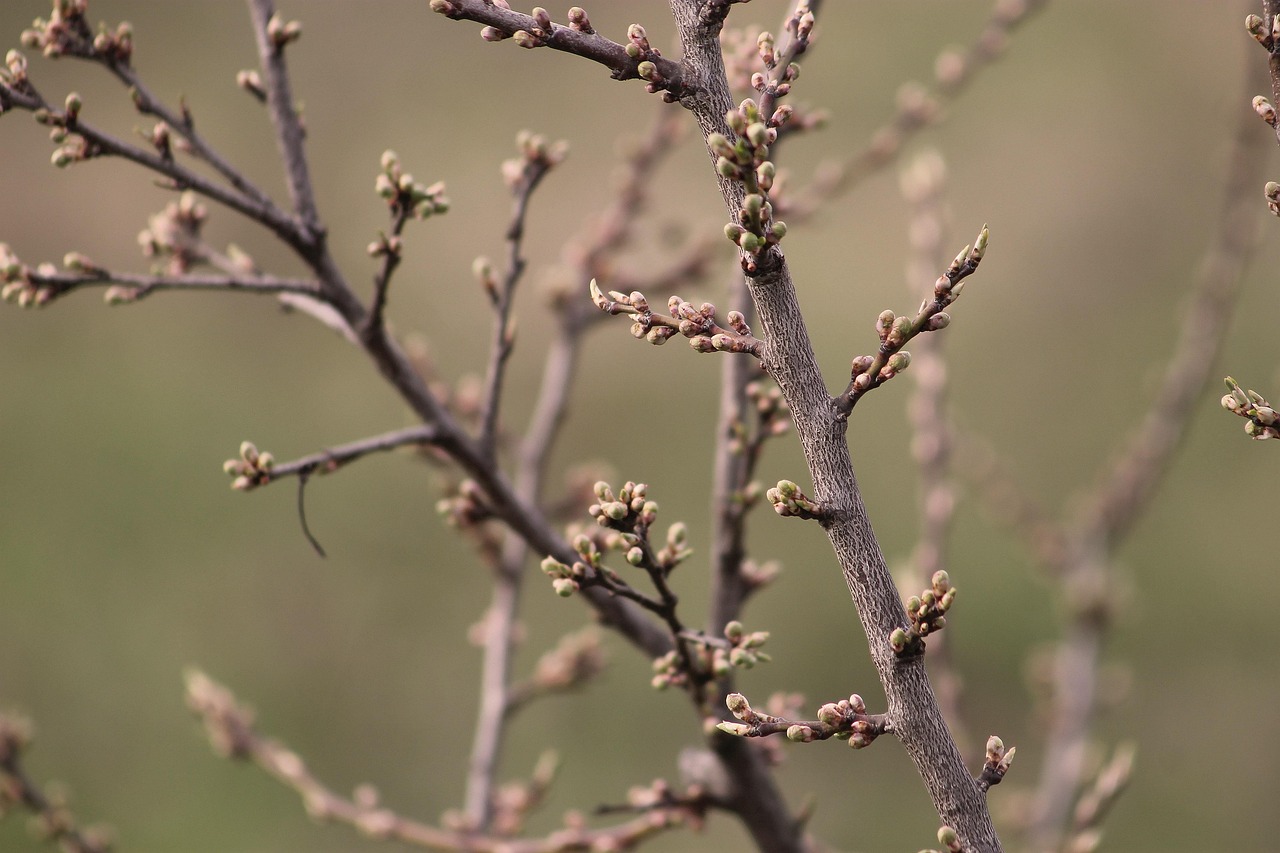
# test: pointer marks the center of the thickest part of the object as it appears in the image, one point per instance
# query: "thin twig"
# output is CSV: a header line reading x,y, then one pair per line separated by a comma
x,y
497,695
53,819
664,74
232,732
141,286
503,333
284,116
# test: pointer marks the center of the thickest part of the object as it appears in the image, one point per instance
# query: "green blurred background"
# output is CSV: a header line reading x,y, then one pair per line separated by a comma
x,y
1095,150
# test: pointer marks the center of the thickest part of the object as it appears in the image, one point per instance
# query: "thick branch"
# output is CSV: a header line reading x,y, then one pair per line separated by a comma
x,y
913,709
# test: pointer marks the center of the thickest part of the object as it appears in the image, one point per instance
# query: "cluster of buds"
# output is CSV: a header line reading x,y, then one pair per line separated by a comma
x,y
778,82
514,801
744,650
281,32
536,157
845,720
575,660
927,610
871,371
746,161
790,502
1262,422
174,234
630,509
66,32
770,405
1266,33
467,507
669,671
404,195
997,761
251,469
589,568
696,322
62,124
772,413
18,285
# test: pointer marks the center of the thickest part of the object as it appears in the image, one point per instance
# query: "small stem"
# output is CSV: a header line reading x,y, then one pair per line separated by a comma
x,y
288,125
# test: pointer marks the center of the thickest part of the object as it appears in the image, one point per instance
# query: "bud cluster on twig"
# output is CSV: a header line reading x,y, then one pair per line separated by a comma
x,y
251,469
404,195
872,371
52,819
996,763
1262,420
637,58
66,32
790,502
696,322
846,720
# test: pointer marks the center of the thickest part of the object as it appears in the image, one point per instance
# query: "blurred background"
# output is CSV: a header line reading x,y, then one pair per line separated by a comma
x,y
1096,150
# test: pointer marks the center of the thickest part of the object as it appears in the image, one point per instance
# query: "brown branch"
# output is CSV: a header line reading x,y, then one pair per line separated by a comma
x,y
232,733
255,469
271,41
44,285
1128,485
537,158
912,707
53,819
918,109
1129,481
625,62
98,143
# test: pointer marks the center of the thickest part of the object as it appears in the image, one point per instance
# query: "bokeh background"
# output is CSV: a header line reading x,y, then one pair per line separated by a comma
x,y
1095,150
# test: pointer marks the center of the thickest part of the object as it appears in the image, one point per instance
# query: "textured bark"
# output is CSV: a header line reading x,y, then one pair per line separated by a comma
x,y
914,715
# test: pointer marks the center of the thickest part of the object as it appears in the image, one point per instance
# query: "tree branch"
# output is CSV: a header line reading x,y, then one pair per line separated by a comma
x,y
233,734
913,710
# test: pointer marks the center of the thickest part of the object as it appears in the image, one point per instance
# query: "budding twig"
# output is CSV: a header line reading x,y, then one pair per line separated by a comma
x,y
233,734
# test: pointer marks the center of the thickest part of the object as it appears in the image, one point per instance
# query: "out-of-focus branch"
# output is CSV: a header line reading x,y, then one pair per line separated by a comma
x,y
1126,488
232,732
918,108
53,820
1128,482
498,697
523,174
932,441
42,284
